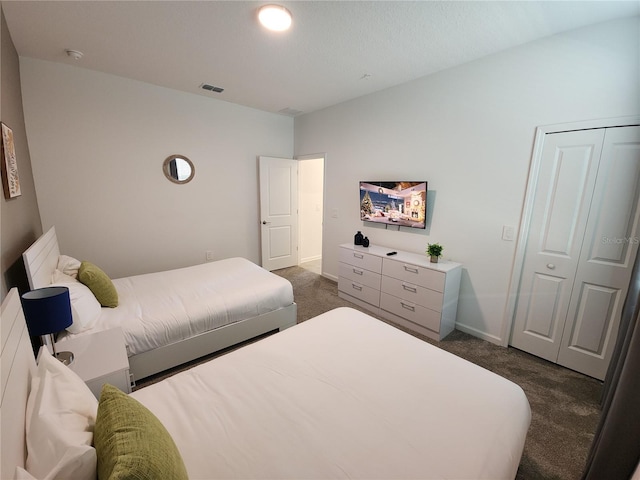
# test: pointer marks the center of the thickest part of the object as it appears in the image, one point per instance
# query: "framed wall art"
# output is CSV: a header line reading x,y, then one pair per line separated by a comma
x,y
10,179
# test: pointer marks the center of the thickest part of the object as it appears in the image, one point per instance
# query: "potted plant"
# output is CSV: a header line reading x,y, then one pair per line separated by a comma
x,y
434,250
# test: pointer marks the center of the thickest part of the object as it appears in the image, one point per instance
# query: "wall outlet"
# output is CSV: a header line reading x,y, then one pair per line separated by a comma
x,y
209,255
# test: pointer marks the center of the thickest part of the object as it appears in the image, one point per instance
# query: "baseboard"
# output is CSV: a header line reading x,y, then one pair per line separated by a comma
x,y
477,333
330,277
310,259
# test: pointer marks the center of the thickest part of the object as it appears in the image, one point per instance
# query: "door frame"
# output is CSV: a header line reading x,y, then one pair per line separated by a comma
x,y
527,208
324,196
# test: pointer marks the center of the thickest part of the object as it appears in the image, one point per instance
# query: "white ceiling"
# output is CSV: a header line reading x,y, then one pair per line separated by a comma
x,y
335,51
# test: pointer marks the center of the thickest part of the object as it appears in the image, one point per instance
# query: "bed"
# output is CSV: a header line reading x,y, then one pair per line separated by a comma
x,y
341,395
172,317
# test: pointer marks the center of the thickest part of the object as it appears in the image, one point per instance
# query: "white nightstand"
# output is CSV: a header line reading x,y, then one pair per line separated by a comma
x,y
100,358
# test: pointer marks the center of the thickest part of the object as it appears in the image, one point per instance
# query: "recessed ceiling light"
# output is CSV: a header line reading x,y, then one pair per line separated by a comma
x,y
275,17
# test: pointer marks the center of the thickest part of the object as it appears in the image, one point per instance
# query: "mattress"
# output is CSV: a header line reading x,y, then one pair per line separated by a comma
x,y
342,395
162,308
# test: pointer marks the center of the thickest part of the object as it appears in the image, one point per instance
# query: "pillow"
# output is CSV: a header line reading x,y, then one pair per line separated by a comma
x,y
60,418
99,283
85,309
68,265
131,443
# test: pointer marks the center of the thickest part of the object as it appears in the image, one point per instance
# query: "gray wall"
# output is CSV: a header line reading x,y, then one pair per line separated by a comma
x,y
469,132
97,144
20,224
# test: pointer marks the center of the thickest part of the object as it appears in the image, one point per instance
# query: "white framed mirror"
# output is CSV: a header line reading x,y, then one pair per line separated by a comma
x,y
178,169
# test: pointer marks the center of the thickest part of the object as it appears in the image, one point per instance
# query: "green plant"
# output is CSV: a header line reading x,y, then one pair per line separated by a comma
x,y
434,249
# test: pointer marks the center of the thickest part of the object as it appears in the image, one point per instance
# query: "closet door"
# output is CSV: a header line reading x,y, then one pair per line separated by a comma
x,y
606,259
566,180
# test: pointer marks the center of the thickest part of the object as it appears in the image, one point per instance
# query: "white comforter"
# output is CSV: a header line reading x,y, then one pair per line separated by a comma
x,y
161,308
342,396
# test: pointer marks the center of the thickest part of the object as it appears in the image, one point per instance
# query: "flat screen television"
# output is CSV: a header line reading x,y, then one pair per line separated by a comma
x,y
402,204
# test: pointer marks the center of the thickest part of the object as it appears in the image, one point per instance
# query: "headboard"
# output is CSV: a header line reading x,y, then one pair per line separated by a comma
x,y
18,366
41,259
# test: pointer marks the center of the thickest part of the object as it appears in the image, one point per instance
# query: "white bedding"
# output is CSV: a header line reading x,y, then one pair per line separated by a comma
x,y
159,309
342,395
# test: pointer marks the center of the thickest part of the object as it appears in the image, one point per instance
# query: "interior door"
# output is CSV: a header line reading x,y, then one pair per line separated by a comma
x,y
567,176
582,243
278,212
606,260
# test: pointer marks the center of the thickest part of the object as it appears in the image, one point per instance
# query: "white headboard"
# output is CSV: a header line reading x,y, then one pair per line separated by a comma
x,y
41,259
18,366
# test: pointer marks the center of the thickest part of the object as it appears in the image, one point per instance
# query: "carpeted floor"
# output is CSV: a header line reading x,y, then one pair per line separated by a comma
x,y
564,404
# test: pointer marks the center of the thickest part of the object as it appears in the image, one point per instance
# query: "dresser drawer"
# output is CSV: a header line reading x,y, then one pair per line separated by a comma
x,y
359,291
411,311
361,259
414,274
360,275
413,293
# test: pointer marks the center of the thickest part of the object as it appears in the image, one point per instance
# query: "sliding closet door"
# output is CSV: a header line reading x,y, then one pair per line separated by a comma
x,y
583,239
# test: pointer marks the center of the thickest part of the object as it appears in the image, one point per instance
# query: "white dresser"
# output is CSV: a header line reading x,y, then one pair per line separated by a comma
x,y
405,288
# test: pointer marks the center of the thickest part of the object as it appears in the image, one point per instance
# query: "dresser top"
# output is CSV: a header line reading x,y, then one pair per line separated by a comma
x,y
406,257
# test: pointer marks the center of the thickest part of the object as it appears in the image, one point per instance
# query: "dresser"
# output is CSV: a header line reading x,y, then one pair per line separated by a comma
x,y
405,288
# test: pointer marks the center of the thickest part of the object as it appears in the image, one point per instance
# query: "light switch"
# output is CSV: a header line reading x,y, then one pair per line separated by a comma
x,y
507,233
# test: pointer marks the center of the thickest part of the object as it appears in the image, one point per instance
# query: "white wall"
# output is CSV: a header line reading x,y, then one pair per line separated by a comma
x,y
97,146
469,131
310,188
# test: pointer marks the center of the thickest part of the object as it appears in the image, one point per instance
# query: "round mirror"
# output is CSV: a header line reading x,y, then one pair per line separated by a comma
x,y
178,169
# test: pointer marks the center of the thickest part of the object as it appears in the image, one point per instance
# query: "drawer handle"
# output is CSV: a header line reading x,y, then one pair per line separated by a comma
x,y
410,288
408,307
410,269
358,255
357,287
358,272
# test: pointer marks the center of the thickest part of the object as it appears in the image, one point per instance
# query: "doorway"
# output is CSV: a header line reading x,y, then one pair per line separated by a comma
x,y
311,208
292,211
577,245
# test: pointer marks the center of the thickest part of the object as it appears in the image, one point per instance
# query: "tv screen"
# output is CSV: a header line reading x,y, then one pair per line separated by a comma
x,y
394,203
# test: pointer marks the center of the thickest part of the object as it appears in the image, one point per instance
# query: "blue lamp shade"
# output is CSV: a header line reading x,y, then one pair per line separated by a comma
x,y
47,310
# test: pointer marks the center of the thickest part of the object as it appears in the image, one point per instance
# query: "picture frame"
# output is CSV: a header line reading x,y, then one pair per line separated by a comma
x,y
9,165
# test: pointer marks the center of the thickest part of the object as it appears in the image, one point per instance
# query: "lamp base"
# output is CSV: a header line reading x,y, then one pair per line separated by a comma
x,y
65,357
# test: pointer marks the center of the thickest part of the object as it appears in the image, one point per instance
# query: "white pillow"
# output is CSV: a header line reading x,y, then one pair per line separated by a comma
x,y
85,309
68,265
61,416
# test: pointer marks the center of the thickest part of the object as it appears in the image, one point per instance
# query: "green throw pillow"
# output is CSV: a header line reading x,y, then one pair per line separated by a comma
x,y
131,443
99,283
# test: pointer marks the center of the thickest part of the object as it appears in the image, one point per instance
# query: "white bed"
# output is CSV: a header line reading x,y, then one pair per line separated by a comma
x,y
342,395
169,318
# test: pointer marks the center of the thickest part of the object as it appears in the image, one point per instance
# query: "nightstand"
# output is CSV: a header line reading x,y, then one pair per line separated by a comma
x,y
100,358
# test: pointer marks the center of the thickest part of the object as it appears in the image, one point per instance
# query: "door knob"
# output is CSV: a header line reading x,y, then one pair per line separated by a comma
x,y
265,222
550,266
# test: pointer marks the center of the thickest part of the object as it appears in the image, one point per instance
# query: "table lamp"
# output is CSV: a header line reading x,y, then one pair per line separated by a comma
x,y
48,311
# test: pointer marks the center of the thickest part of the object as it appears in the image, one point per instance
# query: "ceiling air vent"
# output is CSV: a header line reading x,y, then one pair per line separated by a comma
x,y
211,88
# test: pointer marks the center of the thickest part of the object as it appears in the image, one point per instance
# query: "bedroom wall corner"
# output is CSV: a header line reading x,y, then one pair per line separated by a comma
x,y
98,143
469,132
20,222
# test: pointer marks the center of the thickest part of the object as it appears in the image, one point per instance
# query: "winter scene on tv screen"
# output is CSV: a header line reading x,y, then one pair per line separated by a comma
x,y
394,203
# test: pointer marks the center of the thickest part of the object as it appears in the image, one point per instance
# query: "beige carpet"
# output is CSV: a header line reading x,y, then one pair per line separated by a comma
x,y
564,403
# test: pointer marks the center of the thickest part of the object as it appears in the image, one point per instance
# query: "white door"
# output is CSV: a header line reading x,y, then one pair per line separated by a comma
x,y
608,252
279,212
572,283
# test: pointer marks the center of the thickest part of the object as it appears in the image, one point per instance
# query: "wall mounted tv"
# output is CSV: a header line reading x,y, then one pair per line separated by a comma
x,y
402,204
